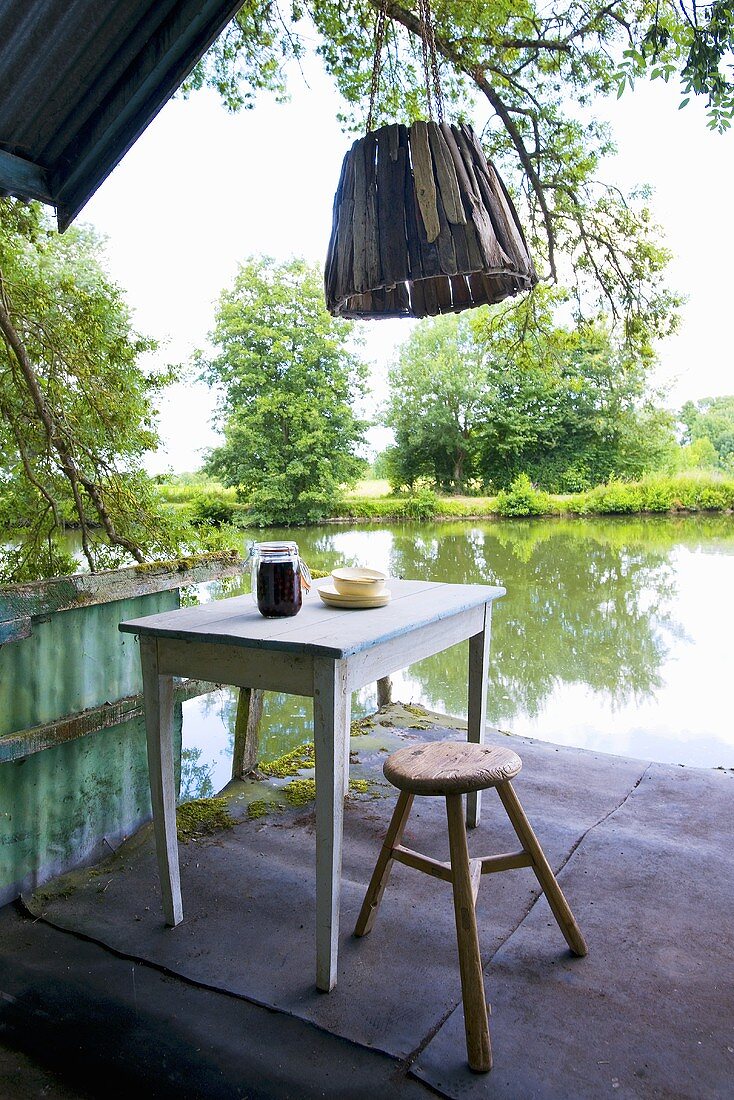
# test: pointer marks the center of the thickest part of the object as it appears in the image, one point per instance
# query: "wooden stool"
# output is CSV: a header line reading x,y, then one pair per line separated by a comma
x,y
452,769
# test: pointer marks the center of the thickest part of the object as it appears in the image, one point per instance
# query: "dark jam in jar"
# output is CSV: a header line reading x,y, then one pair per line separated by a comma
x,y
278,589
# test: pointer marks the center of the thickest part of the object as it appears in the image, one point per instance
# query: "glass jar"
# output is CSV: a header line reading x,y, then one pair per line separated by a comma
x,y
278,578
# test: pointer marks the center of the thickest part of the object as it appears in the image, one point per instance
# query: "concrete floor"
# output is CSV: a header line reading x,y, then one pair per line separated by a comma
x,y
95,992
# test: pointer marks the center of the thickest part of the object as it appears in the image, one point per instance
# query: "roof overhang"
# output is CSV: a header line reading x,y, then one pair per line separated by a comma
x,y
80,80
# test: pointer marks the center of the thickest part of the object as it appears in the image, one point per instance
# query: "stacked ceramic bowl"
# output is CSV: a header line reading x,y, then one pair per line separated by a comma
x,y
356,588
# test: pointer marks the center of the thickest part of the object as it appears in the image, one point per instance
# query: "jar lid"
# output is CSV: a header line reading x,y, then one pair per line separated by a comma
x,y
276,547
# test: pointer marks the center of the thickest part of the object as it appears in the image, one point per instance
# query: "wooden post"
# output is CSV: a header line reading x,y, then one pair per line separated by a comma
x,y
247,732
476,1024
381,873
477,704
384,692
559,906
158,692
331,713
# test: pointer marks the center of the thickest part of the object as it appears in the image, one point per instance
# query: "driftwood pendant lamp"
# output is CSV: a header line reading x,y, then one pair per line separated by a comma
x,y
422,222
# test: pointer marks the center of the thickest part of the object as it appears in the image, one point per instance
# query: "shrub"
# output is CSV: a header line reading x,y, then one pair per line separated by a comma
x,y
521,499
616,498
423,505
657,495
211,510
575,478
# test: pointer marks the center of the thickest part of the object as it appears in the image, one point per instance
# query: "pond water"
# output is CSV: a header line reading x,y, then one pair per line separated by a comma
x,y
615,635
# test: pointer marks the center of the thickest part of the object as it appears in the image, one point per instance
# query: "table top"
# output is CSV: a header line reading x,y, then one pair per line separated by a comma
x,y
317,629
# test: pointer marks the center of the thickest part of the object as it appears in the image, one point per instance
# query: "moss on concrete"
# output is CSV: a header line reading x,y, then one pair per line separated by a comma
x,y
360,786
202,817
291,763
300,792
261,807
361,726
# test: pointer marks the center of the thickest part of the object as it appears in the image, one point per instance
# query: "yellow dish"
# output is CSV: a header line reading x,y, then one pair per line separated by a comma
x,y
356,603
358,581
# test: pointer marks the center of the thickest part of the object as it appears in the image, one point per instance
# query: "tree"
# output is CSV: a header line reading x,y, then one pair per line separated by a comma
x,y
77,408
568,406
711,419
538,68
508,390
437,390
289,385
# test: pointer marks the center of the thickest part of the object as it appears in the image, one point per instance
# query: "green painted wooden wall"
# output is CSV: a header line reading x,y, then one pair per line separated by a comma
x,y
67,804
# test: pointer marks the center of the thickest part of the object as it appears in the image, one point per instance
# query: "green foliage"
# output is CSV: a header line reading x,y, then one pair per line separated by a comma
x,y
521,499
185,488
212,509
289,386
77,408
509,391
422,505
534,65
709,427
249,56
657,493
437,390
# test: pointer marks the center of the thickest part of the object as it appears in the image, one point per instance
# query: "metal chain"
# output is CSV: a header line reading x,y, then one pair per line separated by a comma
x,y
430,60
380,25
430,34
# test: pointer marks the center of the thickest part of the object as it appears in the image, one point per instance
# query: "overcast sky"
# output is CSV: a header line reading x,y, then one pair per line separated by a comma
x,y
201,190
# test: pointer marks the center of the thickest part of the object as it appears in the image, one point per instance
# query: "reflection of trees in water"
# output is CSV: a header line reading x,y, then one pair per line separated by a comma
x,y
287,719
587,603
196,778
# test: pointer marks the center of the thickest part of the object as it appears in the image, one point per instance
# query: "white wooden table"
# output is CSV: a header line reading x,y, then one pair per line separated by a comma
x,y
323,652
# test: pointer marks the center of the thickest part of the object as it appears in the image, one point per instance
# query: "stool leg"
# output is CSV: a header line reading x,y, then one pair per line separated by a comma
x,y
559,906
478,1046
381,873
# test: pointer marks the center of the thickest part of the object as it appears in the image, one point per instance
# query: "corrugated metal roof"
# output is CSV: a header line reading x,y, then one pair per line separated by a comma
x,y
81,79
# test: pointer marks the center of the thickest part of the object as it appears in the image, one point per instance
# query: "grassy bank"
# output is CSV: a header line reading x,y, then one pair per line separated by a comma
x,y
212,505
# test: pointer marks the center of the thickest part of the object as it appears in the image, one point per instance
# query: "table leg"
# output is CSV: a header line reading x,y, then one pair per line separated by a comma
x,y
331,714
158,695
247,731
477,704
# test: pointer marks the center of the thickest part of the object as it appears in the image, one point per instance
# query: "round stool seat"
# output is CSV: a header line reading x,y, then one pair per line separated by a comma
x,y
450,767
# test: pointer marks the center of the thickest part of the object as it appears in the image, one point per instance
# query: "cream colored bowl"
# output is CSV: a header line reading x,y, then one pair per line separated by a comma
x,y
358,581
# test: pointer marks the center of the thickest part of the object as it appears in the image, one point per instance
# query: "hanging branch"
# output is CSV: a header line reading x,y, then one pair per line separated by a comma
x,y
475,73
60,445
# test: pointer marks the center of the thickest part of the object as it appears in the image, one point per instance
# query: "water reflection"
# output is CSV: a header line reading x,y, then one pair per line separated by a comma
x,y
613,634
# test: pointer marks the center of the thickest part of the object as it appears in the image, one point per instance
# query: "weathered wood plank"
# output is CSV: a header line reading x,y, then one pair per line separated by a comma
x,y
373,664
372,232
21,603
359,262
16,746
331,713
502,212
476,720
22,177
158,695
345,231
448,184
229,664
445,245
247,732
493,255
390,203
317,629
470,198
425,183
460,292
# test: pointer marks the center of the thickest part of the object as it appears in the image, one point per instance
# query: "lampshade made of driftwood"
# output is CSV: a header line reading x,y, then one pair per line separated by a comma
x,y
422,225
